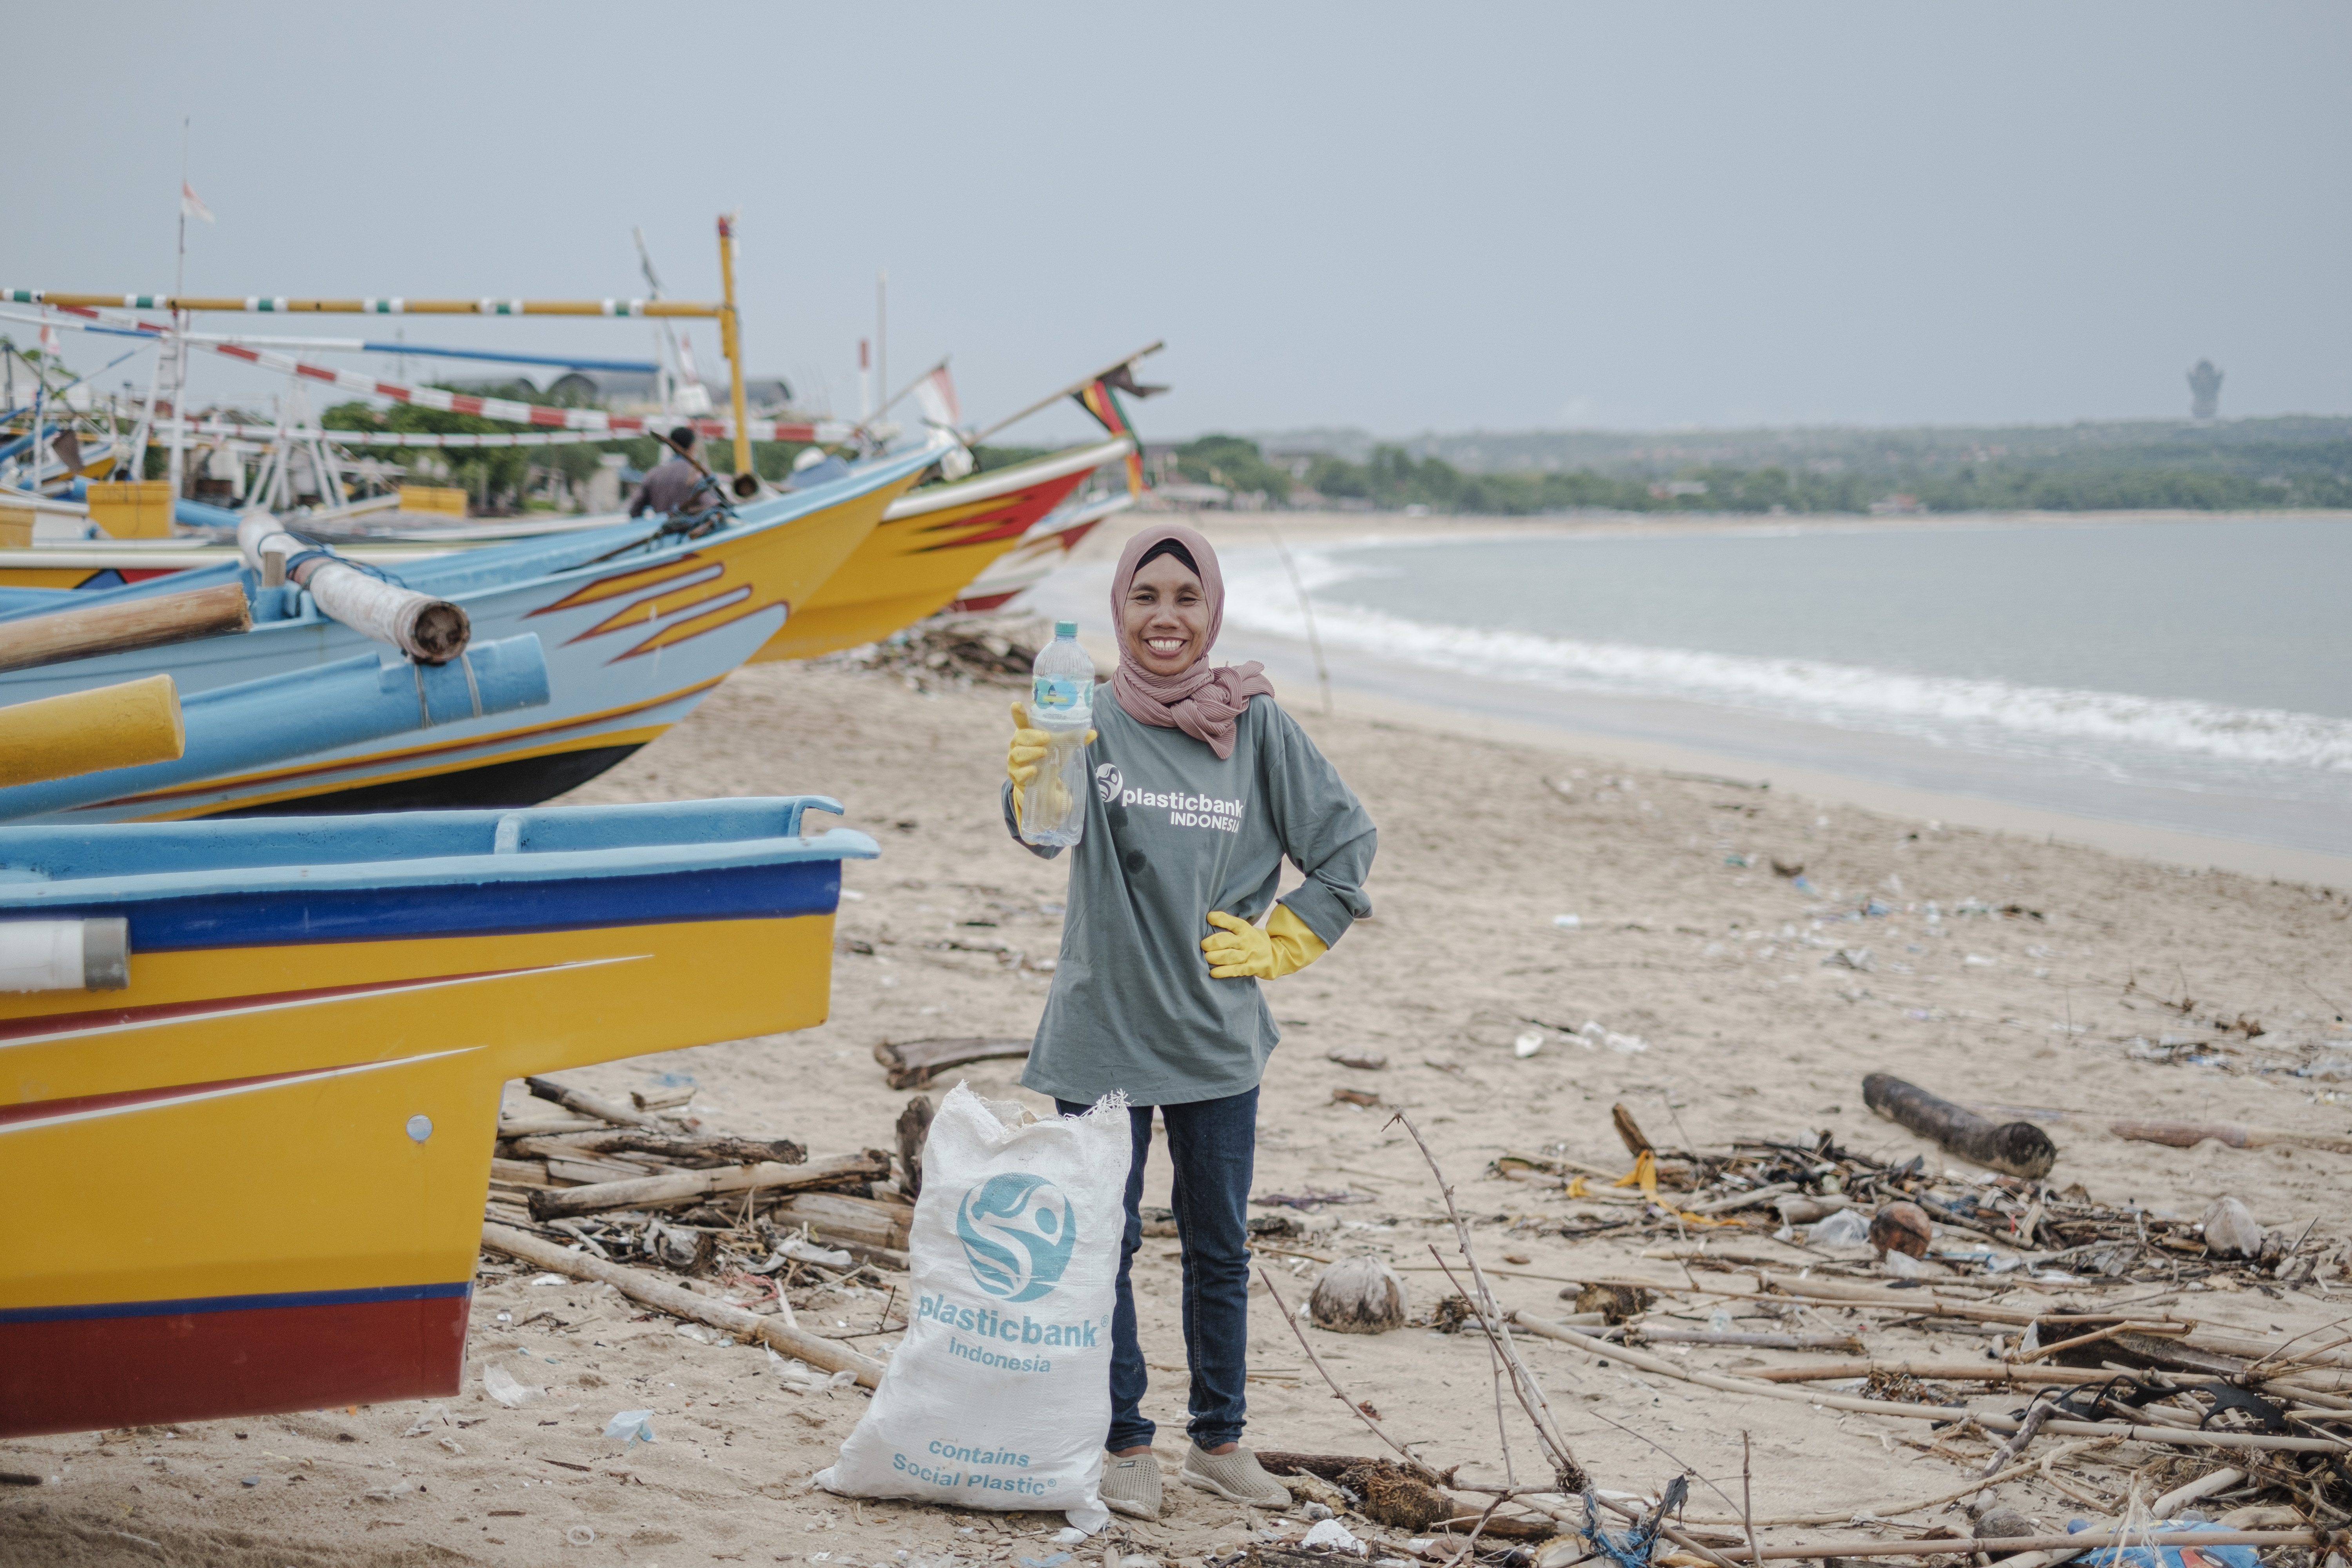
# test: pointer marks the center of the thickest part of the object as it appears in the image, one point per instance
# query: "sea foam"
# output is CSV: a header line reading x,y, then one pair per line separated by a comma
x,y
1977,712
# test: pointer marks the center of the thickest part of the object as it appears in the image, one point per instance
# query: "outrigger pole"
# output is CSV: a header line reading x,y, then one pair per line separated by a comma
x,y
1076,386
730,340
262,305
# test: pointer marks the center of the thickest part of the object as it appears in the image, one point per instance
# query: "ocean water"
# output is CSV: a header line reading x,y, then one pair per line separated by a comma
x,y
2194,675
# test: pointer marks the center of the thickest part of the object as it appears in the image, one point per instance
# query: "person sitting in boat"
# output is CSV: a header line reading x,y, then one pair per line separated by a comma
x,y
1203,786
676,488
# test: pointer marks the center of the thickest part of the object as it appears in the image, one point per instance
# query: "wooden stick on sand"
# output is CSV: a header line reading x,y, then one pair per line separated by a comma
x,y
830,1354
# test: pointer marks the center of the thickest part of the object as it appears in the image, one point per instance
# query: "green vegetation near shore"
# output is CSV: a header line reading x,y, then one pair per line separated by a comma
x,y
2184,474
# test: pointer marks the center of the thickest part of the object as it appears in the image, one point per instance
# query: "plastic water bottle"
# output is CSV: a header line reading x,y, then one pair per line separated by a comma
x,y
1061,703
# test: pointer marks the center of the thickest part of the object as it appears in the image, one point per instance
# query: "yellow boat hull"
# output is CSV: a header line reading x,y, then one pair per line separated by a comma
x,y
929,547
254,1180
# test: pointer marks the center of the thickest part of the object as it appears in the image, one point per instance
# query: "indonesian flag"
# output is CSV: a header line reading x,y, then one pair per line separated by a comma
x,y
1100,400
49,339
191,205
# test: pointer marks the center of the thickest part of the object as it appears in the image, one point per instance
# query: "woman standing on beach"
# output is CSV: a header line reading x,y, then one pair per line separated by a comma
x,y
1202,786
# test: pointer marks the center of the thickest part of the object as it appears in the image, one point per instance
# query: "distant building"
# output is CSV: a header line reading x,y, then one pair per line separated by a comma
x,y
632,391
2204,391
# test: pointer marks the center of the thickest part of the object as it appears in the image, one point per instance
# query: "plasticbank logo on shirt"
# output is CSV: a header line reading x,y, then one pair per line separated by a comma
x,y
1183,810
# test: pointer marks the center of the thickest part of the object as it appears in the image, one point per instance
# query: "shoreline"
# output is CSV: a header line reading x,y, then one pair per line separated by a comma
x,y
2155,842
2188,851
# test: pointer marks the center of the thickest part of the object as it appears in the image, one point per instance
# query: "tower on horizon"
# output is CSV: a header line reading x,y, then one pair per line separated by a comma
x,y
2204,391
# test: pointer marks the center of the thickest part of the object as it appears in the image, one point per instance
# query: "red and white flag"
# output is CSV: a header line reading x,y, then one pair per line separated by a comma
x,y
48,340
191,205
936,394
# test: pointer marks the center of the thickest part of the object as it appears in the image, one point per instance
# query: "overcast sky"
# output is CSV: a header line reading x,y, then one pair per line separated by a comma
x,y
1401,217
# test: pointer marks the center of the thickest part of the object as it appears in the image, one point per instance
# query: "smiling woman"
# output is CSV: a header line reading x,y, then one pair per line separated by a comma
x,y
1203,786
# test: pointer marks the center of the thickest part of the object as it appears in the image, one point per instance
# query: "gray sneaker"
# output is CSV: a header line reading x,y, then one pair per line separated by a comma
x,y
1237,1477
1131,1487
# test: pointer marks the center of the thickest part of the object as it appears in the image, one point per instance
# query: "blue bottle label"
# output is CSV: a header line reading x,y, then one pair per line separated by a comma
x,y
1058,693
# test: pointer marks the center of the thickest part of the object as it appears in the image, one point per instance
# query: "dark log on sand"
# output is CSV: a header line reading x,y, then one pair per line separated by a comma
x,y
168,618
2016,1148
910,1063
1637,1142
913,1131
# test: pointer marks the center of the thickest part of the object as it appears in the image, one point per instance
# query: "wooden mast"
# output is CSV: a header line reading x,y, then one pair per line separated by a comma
x,y
732,340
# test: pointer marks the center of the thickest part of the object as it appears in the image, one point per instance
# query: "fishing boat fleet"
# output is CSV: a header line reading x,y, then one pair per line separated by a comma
x,y
281,909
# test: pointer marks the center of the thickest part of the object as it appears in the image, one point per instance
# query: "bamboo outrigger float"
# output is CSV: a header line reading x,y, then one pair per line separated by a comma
x,y
246,1172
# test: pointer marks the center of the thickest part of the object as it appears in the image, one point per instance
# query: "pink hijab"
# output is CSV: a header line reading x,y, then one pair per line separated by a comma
x,y
1204,702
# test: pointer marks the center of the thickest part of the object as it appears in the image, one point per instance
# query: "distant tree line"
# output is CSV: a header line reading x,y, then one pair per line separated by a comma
x,y
500,475
2101,480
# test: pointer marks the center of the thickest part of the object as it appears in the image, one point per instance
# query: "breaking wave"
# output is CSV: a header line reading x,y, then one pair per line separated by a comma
x,y
1946,709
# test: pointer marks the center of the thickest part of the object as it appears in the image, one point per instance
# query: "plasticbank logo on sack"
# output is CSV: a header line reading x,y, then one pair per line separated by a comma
x,y
1017,1234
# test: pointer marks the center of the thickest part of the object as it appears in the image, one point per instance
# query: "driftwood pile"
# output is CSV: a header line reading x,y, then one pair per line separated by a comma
x,y
709,1227
948,653
1953,1225
2090,1389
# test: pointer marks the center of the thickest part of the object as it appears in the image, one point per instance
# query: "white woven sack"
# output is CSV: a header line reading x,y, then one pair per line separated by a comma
x,y
999,1396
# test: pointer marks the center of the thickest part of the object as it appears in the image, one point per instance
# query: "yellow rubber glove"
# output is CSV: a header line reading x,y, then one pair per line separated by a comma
x,y
1028,747
1238,949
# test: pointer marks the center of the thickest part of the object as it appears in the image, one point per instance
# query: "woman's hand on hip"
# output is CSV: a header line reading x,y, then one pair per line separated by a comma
x,y
1237,950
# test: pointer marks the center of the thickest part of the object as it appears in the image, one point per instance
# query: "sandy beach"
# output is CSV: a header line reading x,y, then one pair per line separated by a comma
x,y
1750,1025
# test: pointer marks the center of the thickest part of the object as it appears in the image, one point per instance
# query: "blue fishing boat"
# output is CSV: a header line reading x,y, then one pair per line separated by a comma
x,y
639,622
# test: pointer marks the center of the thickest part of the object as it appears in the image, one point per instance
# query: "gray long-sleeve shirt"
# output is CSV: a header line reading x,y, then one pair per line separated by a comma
x,y
670,490
1173,833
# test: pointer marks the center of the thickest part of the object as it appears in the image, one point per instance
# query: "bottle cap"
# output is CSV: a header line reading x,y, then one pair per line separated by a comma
x,y
1065,629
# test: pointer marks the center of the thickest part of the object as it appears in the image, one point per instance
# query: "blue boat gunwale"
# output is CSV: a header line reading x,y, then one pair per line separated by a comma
x,y
343,854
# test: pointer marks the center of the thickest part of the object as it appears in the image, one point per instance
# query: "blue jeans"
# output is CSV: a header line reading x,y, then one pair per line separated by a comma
x,y
1213,1143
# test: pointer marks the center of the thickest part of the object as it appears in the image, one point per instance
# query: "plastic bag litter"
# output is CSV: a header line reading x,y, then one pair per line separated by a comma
x,y
506,1388
1528,1044
1594,1033
1000,1392
636,1425
1331,1533
799,1375
1847,1227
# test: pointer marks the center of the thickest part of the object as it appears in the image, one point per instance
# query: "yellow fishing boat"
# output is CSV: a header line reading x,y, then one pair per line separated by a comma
x,y
255,1066
930,545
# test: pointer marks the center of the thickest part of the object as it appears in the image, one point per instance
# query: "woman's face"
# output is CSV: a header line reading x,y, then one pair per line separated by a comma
x,y
1165,621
